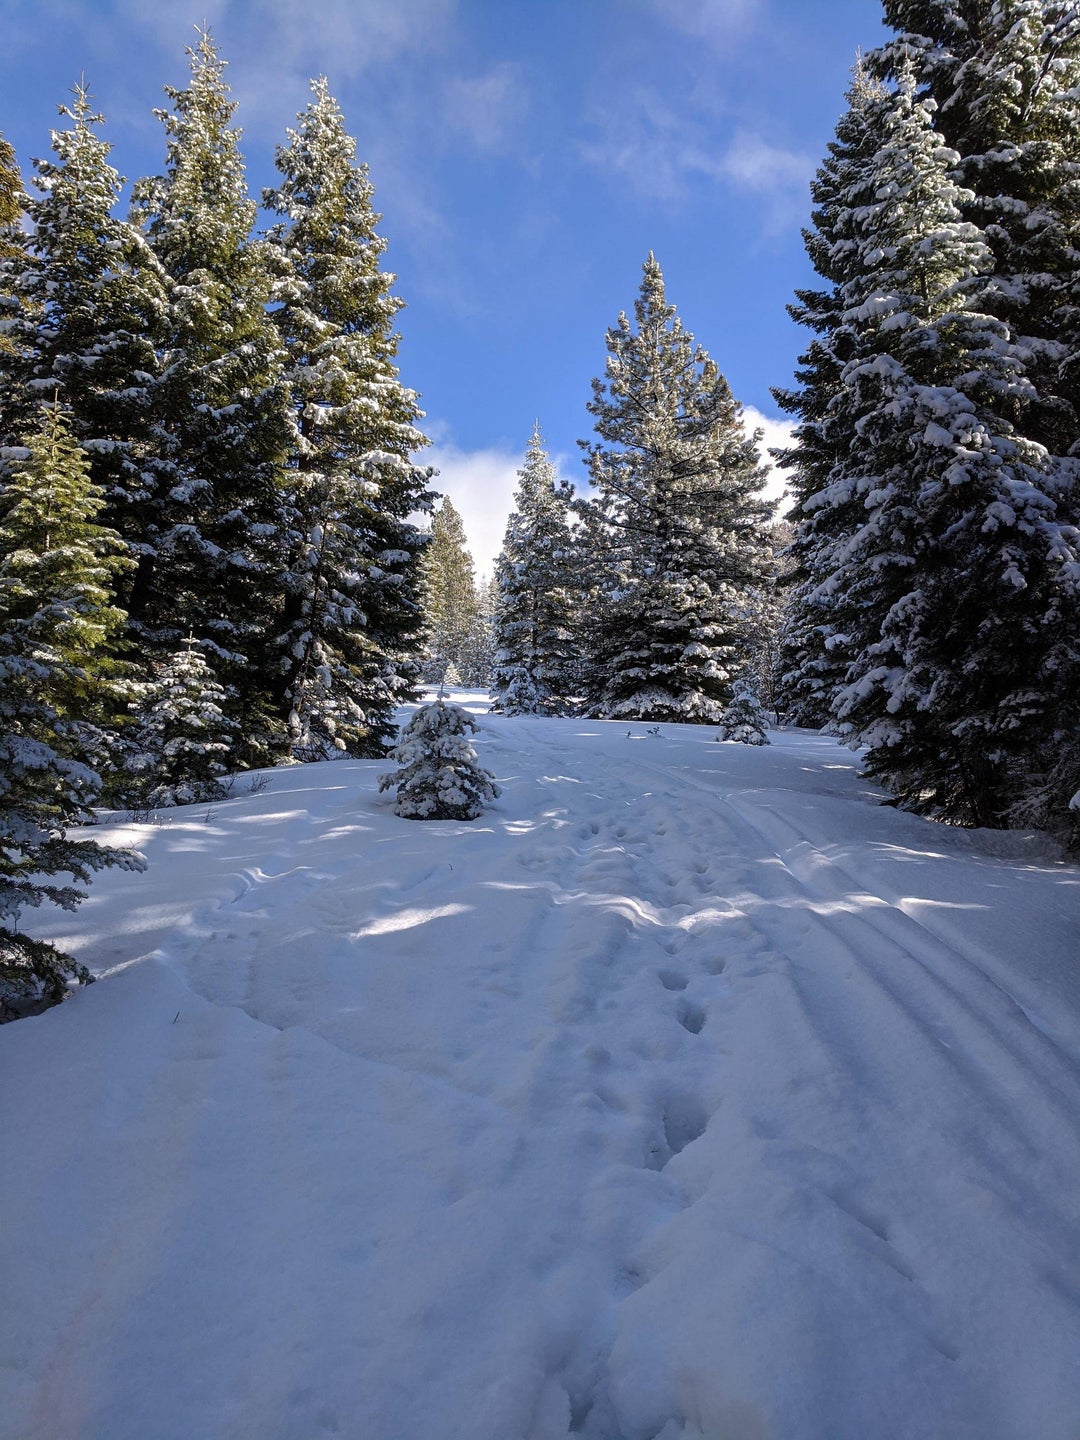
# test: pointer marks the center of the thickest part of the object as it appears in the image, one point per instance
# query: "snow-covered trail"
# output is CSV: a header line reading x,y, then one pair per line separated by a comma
x,y
689,1093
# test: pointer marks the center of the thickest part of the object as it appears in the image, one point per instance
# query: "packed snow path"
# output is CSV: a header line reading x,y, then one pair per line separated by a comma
x,y
689,1094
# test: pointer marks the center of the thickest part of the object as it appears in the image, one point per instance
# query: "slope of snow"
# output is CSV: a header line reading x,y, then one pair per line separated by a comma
x,y
688,1094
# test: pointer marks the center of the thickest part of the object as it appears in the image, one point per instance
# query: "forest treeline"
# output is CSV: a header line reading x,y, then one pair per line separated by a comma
x,y
219,546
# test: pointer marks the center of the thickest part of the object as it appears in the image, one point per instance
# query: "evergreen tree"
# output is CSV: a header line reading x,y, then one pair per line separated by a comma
x,y
57,568
1006,78
744,718
1005,75
764,614
184,735
90,301
810,660
439,775
948,590
12,248
534,658
209,559
347,641
487,603
678,516
450,601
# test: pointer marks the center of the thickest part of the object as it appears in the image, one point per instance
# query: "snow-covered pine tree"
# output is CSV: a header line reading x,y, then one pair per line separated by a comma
x,y
451,606
1006,76
12,248
183,734
810,659
439,776
679,515
91,298
57,570
949,590
347,643
210,558
763,609
534,646
487,605
744,717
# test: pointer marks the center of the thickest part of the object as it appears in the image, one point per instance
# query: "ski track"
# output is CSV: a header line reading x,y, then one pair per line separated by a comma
x,y
651,1106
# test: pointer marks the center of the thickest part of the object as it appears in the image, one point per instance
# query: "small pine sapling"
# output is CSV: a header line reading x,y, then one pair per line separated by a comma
x,y
439,777
183,733
744,719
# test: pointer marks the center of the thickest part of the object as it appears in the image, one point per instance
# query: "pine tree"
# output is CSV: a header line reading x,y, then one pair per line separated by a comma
x,y
439,775
12,248
764,616
1005,75
945,589
450,601
810,662
351,630
209,559
184,735
744,718
57,568
678,516
90,301
534,655
1006,78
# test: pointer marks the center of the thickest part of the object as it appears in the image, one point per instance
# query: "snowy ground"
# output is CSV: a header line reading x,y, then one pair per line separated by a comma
x,y
689,1093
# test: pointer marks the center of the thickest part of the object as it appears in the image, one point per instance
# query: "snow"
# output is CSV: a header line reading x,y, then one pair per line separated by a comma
x,y
689,1092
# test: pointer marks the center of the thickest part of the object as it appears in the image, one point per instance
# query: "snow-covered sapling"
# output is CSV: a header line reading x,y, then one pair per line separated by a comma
x,y
183,732
439,777
744,719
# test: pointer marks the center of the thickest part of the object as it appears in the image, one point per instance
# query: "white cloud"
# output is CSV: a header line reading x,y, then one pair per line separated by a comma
x,y
713,20
657,150
775,432
481,484
488,109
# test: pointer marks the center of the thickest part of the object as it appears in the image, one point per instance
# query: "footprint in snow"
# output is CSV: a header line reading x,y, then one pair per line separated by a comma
x,y
691,1017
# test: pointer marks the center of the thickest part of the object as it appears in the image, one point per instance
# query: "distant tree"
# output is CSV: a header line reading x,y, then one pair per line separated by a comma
x,y
209,559
678,520
439,775
534,644
347,643
184,736
763,609
57,568
744,717
450,600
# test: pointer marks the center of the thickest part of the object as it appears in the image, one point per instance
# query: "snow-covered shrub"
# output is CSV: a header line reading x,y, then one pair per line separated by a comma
x,y
183,733
744,719
439,776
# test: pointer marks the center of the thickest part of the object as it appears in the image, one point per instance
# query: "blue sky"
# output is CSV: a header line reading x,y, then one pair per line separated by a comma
x,y
526,155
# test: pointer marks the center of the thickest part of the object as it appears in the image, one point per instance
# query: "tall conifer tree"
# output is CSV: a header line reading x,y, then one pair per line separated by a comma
x,y
12,247
209,560
944,591
451,606
57,569
534,644
678,515
347,642
91,300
